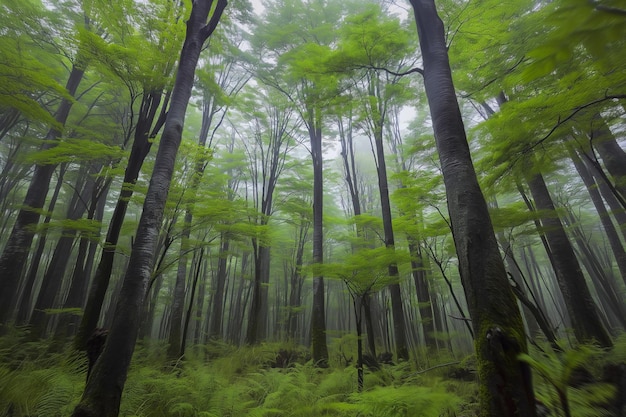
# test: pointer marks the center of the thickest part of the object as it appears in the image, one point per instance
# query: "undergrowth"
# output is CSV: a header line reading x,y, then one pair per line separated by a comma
x,y
219,380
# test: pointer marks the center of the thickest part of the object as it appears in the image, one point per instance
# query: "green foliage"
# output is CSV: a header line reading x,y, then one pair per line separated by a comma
x,y
236,383
557,371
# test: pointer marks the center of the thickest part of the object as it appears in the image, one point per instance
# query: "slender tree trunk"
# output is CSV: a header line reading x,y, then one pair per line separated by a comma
x,y
318,315
178,298
217,306
607,224
506,382
102,394
399,327
580,306
611,152
17,248
139,151
24,311
420,277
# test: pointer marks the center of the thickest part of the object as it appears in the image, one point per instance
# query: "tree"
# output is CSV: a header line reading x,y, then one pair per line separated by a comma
x,y
102,394
496,319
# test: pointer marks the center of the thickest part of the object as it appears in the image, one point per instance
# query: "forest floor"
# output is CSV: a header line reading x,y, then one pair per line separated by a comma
x,y
219,380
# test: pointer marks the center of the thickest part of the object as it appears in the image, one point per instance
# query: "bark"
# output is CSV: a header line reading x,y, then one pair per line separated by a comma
x,y
580,306
506,382
17,248
103,391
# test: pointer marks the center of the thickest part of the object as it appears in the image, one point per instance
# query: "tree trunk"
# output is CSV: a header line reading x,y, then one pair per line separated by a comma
x,y
103,391
139,151
607,224
580,306
419,273
319,347
24,310
506,382
217,305
18,244
399,327
611,152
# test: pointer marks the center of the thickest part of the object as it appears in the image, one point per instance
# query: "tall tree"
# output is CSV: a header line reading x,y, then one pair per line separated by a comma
x,y
580,306
102,394
507,388
150,85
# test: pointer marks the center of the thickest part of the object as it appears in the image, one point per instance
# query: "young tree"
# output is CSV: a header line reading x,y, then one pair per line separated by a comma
x,y
102,394
506,385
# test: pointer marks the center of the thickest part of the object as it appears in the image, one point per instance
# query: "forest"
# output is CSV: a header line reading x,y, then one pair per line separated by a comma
x,y
218,208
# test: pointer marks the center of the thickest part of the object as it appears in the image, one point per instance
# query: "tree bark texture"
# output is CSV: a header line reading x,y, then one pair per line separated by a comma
x,y
506,388
580,306
102,394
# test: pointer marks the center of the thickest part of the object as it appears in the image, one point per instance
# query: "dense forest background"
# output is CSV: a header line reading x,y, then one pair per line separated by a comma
x,y
273,208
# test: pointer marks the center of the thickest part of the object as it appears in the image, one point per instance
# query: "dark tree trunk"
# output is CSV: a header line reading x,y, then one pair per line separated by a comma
x,y
18,244
607,223
139,151
399,328
68,324
611,152
506,382
319,347
103,391
194,286
617,210
418,270
580,306
178,298
55,273
217,306
24,311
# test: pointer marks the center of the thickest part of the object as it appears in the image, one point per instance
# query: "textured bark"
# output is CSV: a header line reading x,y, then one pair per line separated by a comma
x,y
103,391
506,389
580,306
17,248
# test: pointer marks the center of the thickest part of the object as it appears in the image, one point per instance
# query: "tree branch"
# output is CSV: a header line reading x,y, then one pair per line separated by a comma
x,y
215,18
388,71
